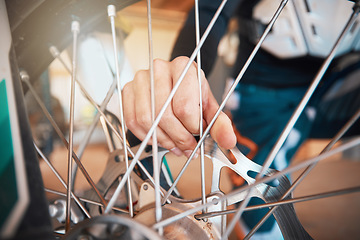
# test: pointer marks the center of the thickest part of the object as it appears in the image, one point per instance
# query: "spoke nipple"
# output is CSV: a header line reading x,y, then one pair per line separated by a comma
x,y
54,51
75,26
111,11
24,76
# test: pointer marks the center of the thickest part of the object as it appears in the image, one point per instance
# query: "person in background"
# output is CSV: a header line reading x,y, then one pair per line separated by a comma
x,y
268,93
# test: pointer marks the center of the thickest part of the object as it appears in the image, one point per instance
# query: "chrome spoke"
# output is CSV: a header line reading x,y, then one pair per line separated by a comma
x,y
112,15
75,28
107,134
198,61
156,160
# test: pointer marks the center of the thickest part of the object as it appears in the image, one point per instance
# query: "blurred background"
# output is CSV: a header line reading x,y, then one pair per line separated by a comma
x,y
330,218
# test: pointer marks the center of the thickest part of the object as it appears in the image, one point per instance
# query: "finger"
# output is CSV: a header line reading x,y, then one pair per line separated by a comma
x,y
169,123
186,100
138,113
222,130
129,111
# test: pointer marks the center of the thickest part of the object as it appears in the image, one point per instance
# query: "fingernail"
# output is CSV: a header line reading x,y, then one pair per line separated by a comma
x,y
176,151
188,153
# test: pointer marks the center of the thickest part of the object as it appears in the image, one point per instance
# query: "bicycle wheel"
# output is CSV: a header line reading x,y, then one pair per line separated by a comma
x,y
177,215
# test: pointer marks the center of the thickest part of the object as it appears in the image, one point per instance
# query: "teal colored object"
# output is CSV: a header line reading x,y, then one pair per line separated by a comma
x,y
168,169
8,188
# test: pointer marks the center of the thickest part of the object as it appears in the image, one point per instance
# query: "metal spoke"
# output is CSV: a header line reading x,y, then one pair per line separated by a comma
x,y
198,68
75,28
156,160
107,134
112,15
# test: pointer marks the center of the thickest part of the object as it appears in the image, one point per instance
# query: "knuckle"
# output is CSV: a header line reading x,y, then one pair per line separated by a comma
x,y
183,109
166,118
202,74
184,141
140,75
159,62
180,61
131,123
126,87
125,92
159,66
144,120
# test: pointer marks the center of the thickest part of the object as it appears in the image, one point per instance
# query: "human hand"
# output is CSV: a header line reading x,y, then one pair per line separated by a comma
x,y
181,118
